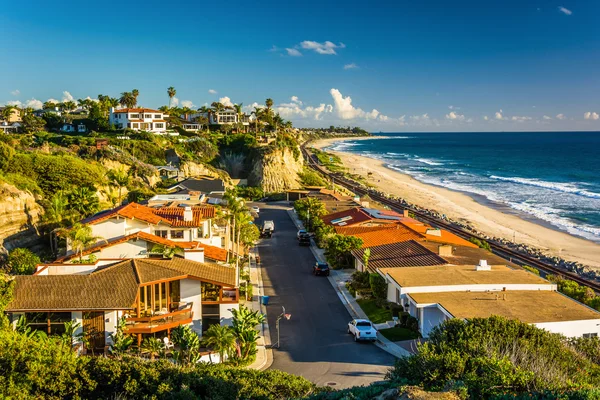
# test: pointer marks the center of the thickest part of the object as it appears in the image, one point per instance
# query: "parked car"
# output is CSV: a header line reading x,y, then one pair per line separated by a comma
x,y
300,233
321,268
255,209
267,229
362,329
304,239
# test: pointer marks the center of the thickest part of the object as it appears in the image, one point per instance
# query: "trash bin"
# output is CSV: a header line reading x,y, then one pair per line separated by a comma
x,y
264,300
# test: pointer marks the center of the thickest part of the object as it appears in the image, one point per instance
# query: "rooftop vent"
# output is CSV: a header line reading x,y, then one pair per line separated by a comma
x,y
483,266
433,232
445,250
188,215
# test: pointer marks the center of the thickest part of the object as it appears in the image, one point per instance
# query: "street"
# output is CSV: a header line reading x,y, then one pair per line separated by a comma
x,y
314,342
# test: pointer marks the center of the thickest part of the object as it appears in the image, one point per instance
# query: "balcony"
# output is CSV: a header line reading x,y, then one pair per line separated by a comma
x,y
159,321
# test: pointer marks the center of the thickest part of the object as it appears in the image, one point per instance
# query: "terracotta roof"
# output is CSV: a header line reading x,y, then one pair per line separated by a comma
x,y
126,110
462,255
395,255
108,287
529,306
349,217
443,237
172,216
380,235
336,195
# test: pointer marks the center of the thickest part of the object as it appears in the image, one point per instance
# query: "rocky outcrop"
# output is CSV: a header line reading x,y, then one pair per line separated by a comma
x,y
277,171
19,214
191,169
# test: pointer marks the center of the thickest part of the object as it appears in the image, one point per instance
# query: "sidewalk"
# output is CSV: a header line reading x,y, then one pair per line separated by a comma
x,y
338,280
264,356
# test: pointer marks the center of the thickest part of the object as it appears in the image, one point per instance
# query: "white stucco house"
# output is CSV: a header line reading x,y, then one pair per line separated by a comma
x,y
433,294
139,119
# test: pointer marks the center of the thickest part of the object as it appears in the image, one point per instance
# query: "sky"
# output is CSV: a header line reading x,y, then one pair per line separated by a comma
x,y
391,66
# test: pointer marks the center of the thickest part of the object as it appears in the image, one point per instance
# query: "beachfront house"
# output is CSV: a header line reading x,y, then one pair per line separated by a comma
x,y
139,119
152,296
227,116
433,294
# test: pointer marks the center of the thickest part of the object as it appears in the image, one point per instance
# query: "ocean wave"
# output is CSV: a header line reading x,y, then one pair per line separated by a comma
x,y
557,186
428,161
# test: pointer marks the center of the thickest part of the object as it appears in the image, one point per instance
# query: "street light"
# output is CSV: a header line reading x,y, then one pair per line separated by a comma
x,y
282,315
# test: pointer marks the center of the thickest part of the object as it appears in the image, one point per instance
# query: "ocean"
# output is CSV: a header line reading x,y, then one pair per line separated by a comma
x,y
551,177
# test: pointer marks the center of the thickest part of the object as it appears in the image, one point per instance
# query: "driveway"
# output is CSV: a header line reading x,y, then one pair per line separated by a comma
x,y
314,342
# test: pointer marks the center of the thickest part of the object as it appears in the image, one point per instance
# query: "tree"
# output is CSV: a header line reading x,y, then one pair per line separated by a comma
x,y
338,248
153,347
188,345
22,261
7,112
366,256
32,124
244,324
135,93
6,155
258,115
69,106
127,99
84,200
269,103
309,210
120,178
49,105
57,210
80,237
6,295
171,92
220,339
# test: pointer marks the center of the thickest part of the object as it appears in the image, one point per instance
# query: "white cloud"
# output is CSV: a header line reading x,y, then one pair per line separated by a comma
x,y
546,117
293,52
560,116
485,117
174,102
345,110
591,115
424,117
32,103
187,103
565,11
295,110
295,99
498,115
326,47
517,118
212,91
274,49
15,92
94,100
351,66
454,116
226,101
67,96
453,108
53,100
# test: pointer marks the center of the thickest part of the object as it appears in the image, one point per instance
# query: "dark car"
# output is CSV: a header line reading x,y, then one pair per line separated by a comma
x,y
321,268
304,239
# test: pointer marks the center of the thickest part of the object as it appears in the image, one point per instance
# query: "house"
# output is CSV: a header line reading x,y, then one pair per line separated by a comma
x,y
139,119
183,224
154,296
72,128
15,115
167,171
40,113
351,217
379,235
146,245
396,255
190,126
202,185
169,200
10,127
227,116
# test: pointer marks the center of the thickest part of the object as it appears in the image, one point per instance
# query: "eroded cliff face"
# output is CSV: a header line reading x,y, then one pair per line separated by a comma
x,y
19,214
276,171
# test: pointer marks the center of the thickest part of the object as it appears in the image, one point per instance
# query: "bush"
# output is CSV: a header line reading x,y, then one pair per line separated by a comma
x,y
482,244
22,261
308,177
379,288
6,155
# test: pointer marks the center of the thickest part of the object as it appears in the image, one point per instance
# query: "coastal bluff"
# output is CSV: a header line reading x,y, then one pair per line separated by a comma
x,y
277,170
19,214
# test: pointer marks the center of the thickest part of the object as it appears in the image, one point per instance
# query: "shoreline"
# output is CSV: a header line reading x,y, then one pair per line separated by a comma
x,y
459,206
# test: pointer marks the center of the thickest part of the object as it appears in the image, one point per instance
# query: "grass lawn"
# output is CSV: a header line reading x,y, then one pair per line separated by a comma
x,y
376,314
398,333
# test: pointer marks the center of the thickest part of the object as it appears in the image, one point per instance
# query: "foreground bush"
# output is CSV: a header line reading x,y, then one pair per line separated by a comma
x,y
496,357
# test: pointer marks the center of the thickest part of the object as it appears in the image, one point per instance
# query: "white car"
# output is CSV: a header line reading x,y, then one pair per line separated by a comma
x,y
255,209
362,329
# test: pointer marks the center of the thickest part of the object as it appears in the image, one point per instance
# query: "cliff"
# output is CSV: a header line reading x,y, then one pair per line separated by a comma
x,y
19,214
276,170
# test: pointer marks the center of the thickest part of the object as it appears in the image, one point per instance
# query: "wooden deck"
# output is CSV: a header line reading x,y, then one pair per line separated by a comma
x,y
159,323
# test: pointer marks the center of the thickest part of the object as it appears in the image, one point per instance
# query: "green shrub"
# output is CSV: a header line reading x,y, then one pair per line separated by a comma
x,y
531,269
22,261
482,244
378,287
308,177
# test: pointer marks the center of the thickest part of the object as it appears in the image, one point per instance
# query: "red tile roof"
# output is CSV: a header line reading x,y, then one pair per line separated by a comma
x,y
172,216
175,215
444,236
349,217
380,235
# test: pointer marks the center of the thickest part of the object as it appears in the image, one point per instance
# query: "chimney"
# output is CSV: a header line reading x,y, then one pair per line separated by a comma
x,y
405,213
445,250
483,266
194,255
188,214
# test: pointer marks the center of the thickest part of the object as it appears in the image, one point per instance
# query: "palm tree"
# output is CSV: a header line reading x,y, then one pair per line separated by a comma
x,y
219,338
120,178
84,200
171,92
269,103
258,114
7,112
239,112
277,120
49,105
216,106
153,347
79,237
127,99
58,210
204,109
135,94
69,106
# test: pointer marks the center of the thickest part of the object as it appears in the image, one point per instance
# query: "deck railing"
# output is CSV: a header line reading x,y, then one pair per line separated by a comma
x,y
159,321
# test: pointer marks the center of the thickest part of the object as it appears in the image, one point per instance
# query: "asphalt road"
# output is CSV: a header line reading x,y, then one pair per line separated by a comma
x,y
314,342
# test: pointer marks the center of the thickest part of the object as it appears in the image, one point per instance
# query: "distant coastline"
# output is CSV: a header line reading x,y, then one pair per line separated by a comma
x,y
496,220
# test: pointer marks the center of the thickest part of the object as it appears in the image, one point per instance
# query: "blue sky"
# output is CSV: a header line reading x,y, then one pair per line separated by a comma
x,y
389,66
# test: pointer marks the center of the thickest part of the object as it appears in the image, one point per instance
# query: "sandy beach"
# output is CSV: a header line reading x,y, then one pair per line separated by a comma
x,y
461,207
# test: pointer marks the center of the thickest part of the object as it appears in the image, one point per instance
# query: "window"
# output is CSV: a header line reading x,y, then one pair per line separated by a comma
x,y
210,292
156,297
132,116
135,124
590,335
50,323
159,125
162,234
176,234
147,115
157,116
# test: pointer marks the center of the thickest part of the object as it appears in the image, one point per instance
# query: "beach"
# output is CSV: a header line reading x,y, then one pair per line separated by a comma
x,y
491,220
